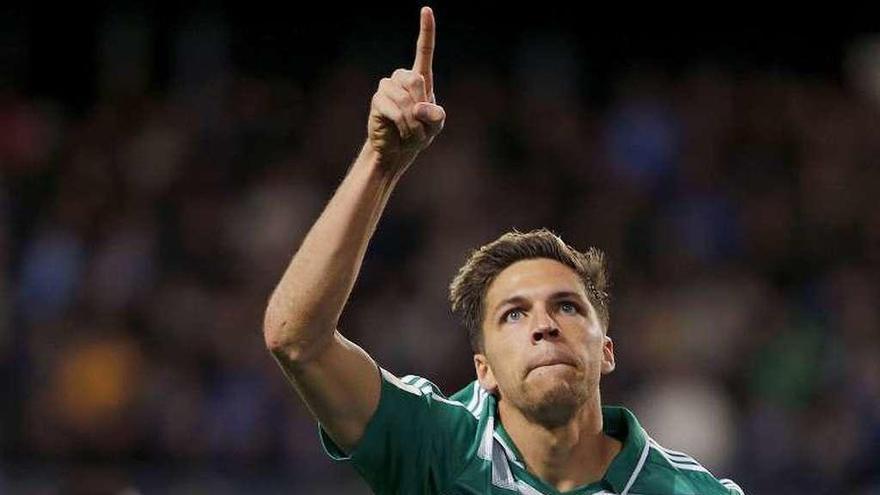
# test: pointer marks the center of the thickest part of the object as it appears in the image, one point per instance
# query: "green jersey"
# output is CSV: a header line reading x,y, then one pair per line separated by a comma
x,y
420,442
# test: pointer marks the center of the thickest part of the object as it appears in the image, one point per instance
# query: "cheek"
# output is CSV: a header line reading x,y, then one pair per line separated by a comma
x,y
500,345
597,345
504,363
594,335
593,346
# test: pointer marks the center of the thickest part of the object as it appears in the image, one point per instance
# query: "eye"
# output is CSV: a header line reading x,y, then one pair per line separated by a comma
x,y
568,308
513,315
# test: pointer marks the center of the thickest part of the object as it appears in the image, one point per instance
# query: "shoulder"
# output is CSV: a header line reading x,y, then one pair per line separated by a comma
x,y
664,463
418,440
472,399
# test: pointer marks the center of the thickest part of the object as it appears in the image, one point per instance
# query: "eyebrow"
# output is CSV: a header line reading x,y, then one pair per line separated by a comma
x,y
553,297
509,300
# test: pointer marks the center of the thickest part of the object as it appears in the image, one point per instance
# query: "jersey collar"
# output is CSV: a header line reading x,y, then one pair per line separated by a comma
x,y
619,423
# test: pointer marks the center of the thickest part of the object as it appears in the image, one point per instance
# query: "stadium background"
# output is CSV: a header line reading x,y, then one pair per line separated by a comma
x,y
158,166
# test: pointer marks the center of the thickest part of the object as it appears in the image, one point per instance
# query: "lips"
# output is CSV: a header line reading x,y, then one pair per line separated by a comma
x,y
552,359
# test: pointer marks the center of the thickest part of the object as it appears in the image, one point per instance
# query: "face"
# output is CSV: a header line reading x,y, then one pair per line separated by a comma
x,y
544,349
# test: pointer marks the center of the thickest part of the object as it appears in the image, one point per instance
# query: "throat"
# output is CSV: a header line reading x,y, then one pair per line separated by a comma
x,y
583,463
566,456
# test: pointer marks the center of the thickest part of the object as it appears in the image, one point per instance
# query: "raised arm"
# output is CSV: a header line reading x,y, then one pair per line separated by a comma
x,y
336,378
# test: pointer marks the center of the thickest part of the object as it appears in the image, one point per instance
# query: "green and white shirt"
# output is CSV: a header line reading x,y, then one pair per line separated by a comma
x,y
420,442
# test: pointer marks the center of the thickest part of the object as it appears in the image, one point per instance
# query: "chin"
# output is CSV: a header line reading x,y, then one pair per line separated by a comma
x,y
553,400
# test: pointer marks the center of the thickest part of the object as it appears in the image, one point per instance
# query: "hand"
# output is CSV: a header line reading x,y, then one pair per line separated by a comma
x,y
404,117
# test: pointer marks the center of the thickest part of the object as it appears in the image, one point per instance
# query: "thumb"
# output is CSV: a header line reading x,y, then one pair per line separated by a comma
x,y
429,113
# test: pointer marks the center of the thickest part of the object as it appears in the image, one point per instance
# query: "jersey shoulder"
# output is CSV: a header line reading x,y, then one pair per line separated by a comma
x,y
681,473
471,398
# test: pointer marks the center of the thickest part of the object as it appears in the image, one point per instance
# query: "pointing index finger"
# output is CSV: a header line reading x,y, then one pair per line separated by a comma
x,y
425,50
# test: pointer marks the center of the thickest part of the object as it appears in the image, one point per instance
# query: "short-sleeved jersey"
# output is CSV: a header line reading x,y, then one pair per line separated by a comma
x,y
420,442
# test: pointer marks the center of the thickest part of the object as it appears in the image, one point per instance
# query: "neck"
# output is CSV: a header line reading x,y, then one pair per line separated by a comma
x,y
566,456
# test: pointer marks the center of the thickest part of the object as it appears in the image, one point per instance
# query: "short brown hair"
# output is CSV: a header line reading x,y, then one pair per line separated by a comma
x,y
467,292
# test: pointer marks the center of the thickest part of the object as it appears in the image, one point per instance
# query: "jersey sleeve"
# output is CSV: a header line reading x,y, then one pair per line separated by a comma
x,y
416,442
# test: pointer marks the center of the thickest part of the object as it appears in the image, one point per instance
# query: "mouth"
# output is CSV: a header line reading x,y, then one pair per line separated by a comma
x,y
552,361
548,365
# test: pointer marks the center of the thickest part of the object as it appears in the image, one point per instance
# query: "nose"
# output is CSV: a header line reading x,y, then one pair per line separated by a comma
x,y
545,328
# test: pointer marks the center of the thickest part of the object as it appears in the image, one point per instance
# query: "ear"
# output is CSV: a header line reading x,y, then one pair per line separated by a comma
x,y
608,356
484,373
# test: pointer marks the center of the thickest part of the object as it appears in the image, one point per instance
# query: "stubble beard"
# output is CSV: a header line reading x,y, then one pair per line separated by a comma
x,y
554,405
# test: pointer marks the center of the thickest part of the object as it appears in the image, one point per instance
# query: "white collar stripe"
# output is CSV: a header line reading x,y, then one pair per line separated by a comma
x,y
526,489
475,395
502,477
479,405
508,450
637,470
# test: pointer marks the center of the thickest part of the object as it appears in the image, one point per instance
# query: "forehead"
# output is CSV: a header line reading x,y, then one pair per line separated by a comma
x,y
533,278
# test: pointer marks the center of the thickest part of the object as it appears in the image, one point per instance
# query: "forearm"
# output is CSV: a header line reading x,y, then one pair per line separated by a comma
x,y
338,380
304,308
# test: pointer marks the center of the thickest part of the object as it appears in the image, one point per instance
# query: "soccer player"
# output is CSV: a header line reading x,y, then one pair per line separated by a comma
x,y
537,314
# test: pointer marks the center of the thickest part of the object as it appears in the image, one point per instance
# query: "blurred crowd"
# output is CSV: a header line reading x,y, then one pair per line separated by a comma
x,y
140,241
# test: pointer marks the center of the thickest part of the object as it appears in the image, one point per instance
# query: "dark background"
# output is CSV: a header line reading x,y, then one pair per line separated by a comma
x,y
159,165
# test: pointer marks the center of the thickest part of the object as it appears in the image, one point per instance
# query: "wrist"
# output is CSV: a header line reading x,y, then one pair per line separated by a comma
x,y
383,166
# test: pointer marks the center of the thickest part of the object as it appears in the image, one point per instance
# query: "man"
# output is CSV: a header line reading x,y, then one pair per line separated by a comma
x,y
537,314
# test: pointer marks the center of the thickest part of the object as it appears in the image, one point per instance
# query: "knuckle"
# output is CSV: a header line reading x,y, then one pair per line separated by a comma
x,y
400,98
379,104
406,100
417,81
400,74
